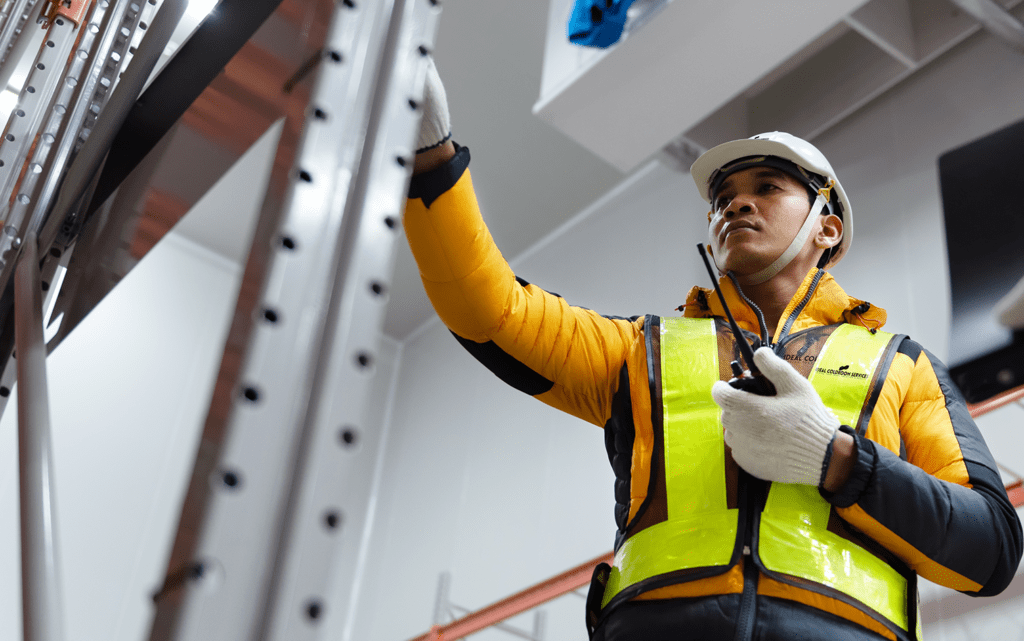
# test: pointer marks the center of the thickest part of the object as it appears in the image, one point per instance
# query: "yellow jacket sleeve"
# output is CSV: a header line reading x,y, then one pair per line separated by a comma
x,y
566,356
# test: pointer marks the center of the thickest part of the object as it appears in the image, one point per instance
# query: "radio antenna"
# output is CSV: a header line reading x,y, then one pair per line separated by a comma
x,y
746,351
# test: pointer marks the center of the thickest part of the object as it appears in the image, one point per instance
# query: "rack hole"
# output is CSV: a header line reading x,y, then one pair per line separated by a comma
x,y
10,137
24,199
336,56
332,519
45,285
231,479
5,392
55,252
1,163
30,89
348,436
51,44
377,288
60,109
270,315
391,222
287,242
320,114
41,67
305,176
423,50
21,114
413,104
143,26
60,23
314,609
364,360
349,3
94,28
251,394
401,161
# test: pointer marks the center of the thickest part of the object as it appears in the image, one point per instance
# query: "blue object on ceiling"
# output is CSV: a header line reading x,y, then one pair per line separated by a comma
x,y
597,23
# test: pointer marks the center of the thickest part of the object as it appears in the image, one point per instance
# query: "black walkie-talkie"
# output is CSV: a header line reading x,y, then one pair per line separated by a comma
x,y
752,381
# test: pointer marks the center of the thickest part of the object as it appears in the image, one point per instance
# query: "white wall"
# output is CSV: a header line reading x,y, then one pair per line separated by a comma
x,y
503,492
129,390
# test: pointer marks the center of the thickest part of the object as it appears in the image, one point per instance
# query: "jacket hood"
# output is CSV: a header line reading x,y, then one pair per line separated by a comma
x,y
828,305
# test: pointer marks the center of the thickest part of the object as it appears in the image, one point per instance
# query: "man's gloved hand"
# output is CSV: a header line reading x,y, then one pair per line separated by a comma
x,y
780,438
436,126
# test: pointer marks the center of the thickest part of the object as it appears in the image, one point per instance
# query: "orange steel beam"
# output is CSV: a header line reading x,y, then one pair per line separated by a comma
x,y
531,597
997,401
1016,493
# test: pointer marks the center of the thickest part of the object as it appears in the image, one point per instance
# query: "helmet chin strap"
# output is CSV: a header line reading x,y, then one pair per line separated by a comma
x,y
798,242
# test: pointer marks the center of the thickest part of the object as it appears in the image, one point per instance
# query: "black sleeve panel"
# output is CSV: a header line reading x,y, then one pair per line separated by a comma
x,y
619,434
910,348
431,184
967,434
505,367
969,531
984,478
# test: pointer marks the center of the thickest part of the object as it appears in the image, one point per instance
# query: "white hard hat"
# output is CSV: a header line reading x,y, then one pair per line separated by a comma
x,y
707,169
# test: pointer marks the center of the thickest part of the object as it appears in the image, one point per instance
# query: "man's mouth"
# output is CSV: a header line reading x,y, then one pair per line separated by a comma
x,y
736,227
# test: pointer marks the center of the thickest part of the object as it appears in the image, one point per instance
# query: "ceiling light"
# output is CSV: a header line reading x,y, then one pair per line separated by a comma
x,y
199,9
8,100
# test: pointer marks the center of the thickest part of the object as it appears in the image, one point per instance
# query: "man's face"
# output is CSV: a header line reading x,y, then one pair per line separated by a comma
x,y
755,215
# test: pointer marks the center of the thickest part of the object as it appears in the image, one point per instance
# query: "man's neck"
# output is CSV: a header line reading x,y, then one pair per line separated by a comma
x,y
773,295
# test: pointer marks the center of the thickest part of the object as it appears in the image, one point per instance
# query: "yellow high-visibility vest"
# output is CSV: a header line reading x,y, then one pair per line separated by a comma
x,y
702,536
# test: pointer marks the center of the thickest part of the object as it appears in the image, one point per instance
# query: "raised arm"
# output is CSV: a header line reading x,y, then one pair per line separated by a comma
x,y
566,356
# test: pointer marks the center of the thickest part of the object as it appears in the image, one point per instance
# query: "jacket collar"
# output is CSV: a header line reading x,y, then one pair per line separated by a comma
x,y
828,305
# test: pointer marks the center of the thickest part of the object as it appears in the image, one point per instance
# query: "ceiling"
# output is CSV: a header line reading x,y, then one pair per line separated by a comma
x,y
529,177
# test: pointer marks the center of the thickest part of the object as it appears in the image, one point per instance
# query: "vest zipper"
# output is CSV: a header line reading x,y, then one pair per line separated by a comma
x,y
749,487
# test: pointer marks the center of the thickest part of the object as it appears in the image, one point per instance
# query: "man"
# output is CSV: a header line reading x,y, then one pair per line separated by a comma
x,y
806,514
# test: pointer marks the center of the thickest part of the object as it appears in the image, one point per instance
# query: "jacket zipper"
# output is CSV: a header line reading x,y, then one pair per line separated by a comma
x,y
788,325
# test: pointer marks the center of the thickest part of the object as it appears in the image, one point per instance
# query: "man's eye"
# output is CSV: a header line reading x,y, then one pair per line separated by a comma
x,y
720,204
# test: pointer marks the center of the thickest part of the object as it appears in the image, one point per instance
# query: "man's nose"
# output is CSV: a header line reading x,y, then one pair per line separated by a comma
x,y
739,204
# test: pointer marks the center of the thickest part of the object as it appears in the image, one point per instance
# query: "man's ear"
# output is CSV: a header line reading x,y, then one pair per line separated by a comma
x,y
831,232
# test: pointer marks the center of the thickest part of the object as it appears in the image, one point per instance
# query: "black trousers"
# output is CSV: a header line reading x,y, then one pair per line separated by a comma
x,y
714,619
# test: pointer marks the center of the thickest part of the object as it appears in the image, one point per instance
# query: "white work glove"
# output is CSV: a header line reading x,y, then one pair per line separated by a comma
x,y
436,126
779,438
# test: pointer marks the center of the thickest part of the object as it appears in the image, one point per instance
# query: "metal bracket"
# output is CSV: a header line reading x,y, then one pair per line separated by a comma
x,y
73,10
445,612
996,20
